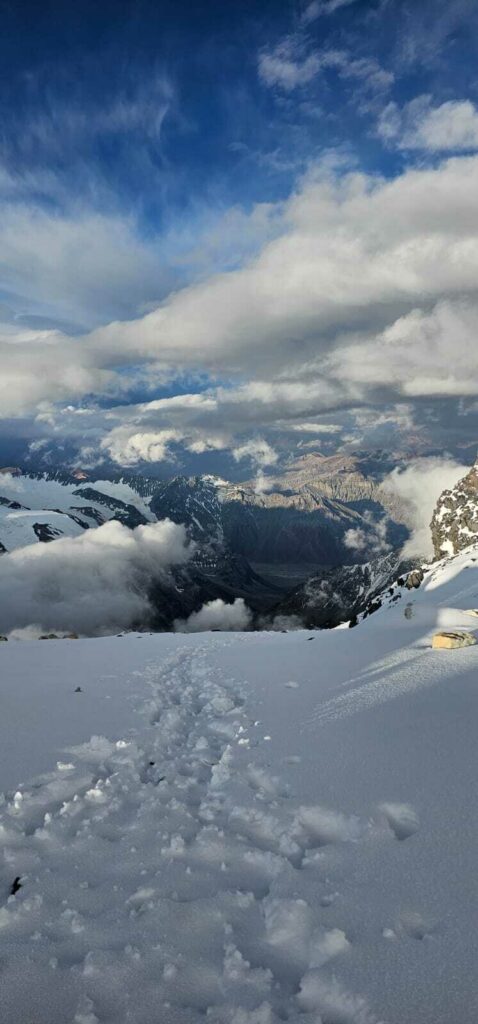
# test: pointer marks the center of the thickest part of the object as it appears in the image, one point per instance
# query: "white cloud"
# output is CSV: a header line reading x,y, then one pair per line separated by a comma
x,y
93,584
287,66
450,127
316,428
355,540
217,615
419,486
419,354
368,293
259,452
373,539
415,240
83,266
128,448
319,7
45,366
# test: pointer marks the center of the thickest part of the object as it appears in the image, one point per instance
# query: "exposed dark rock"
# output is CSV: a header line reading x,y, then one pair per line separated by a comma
x,y
46,532
414,579
454,524
126,514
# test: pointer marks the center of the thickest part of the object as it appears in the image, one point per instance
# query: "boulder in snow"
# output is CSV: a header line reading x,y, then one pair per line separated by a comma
x,y
452,640
414,579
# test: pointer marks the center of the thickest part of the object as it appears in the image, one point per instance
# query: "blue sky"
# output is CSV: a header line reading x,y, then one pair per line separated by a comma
x,y
170,172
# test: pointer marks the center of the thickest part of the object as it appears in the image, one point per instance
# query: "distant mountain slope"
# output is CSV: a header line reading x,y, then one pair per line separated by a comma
x,y
342,593
44,506
309,515
302,521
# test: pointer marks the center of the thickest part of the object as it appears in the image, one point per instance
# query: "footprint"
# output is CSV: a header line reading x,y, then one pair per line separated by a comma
x,y
267,786
328,899
402,819
415,925
333,1003
318,826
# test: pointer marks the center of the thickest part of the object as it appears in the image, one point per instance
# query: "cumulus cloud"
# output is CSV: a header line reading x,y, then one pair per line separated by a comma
x,y
91,584
217,615
414,239
355,539
297,325
261,454
258,451
449,127
419,486
129,448
373,540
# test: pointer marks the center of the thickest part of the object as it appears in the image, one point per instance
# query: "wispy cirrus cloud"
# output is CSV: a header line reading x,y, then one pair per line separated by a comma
x,y
318,8
61,117
288,65
293,64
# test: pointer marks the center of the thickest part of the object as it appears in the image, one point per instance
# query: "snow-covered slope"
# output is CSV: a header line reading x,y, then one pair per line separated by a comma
x,y
338,594
43,507
245,829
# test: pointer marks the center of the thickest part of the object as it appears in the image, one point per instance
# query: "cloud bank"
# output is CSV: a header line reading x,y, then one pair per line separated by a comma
x,y
93,584
366,295
420,486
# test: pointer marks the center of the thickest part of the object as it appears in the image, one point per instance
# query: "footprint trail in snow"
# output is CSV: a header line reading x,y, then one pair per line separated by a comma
x,y
164,877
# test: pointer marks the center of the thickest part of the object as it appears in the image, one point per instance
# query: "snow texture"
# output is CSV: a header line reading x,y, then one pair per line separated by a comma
x,y
246,828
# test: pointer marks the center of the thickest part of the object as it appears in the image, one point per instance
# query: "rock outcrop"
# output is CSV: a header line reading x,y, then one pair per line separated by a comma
x,y
454,524
453,640
415,579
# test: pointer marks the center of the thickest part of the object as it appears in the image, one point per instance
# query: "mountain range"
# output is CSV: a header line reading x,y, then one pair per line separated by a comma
x,y
317,547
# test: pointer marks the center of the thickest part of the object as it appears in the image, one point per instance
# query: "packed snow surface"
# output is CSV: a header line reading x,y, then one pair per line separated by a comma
x,y
244,828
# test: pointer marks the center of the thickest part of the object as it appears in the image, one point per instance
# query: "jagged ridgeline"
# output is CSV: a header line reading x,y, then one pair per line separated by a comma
x,y
455,521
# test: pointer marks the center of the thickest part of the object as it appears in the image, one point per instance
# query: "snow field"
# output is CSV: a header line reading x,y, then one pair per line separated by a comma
x,y
156,877
269,830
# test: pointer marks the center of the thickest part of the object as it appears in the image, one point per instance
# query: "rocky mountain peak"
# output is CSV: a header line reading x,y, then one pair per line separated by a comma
x,y
454,524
